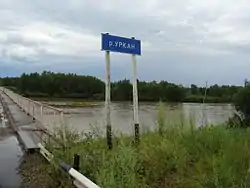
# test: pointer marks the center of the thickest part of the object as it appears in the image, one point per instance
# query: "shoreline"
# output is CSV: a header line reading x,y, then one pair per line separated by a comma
x,y
31,171
35,171
89,100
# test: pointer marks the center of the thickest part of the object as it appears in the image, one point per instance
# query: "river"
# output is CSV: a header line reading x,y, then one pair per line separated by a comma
x,y
122,115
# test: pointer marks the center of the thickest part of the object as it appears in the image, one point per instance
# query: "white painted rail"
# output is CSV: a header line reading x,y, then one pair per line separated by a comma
x,y
80,181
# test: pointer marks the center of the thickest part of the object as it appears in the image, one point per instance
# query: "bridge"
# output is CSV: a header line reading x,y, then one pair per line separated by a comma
x,y
33,122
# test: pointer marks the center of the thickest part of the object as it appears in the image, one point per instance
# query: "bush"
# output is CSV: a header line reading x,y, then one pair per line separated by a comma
x,y
242,105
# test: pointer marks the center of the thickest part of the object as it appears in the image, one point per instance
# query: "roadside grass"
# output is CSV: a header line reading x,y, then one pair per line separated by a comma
x,y
178,155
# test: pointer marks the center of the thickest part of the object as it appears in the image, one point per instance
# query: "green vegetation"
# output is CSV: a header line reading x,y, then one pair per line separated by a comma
x,y
242,105
59,85
178,157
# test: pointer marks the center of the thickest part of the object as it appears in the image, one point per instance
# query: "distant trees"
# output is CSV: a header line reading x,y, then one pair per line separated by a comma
x,y
49,84
246,83
164,91
194,89
122,90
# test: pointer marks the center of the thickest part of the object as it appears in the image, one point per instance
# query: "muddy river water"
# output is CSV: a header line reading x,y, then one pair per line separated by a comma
x,y
122,115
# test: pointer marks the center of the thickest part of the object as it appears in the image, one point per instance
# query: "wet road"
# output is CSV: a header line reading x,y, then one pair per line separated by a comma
x,y
10,156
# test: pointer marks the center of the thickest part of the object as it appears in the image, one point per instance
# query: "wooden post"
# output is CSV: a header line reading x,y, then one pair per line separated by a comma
x,y
107,103
135,101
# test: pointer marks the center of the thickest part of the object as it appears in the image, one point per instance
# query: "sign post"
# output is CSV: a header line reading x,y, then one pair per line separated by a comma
x,y
107,102
135,101
111,43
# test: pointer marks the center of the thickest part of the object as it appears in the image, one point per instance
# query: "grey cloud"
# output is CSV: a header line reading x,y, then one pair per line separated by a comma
x,y
240,49
16,38
181,46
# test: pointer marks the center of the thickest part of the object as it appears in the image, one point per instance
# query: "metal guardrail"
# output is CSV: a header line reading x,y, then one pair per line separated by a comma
x,y
80,181
2,117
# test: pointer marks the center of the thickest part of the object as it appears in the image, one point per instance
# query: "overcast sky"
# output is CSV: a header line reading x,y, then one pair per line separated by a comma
x,y
183,41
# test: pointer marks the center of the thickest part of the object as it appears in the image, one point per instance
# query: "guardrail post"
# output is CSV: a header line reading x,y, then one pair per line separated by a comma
x,y
76,164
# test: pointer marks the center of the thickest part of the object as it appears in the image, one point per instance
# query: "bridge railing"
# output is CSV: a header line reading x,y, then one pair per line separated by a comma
x,y
48,116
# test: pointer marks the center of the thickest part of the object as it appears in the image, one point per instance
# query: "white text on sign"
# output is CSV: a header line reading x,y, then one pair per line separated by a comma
x,y
121,44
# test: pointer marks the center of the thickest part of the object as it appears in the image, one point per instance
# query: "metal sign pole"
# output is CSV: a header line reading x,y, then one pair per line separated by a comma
x,y
107,102
135,101
112,43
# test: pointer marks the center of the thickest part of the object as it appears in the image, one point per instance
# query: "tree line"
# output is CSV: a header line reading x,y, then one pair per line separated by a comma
x,y
61,85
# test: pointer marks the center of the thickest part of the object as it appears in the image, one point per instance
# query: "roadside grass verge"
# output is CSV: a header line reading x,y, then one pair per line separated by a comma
x,y
175,156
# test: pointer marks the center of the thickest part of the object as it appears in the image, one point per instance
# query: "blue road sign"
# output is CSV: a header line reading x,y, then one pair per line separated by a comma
x,y
121,44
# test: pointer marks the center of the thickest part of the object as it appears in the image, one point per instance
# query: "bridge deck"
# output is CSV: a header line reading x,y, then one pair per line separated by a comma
x,y
20,121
